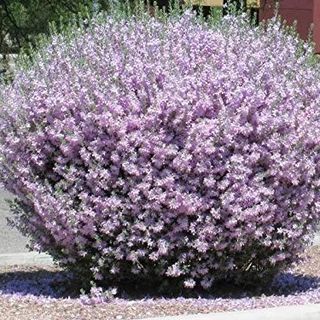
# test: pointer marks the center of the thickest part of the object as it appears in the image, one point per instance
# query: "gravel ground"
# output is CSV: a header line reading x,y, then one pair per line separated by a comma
x,y
34,292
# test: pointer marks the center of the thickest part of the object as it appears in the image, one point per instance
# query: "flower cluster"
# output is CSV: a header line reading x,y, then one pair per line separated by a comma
x,y
166,149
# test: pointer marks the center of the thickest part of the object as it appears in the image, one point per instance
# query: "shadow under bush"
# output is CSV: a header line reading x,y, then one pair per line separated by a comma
x,y
61,284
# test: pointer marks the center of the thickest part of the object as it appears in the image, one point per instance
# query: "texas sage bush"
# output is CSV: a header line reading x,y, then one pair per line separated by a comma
x,y
165,150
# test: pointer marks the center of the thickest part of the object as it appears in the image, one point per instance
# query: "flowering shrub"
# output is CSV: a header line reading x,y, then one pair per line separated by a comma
x,y
165,149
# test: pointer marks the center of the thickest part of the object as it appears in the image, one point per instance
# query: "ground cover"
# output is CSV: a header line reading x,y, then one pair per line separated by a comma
x,y
31,292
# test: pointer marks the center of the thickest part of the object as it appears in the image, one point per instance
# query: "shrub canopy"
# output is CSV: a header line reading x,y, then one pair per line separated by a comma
x,y
165,149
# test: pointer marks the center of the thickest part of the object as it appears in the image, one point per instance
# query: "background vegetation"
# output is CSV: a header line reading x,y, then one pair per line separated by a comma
x,y
22,21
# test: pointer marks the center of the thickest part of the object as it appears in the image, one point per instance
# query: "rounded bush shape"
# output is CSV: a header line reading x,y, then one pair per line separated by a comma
x,y
143,149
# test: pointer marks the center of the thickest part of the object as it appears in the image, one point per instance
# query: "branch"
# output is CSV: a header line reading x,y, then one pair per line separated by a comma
x,y
13,22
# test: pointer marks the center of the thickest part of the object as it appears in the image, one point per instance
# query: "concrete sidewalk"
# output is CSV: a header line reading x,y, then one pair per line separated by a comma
x,y
10,239
25,258
13,249
303,312
317,241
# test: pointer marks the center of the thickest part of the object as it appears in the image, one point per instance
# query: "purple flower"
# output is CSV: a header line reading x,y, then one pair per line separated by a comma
x,y
143,146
